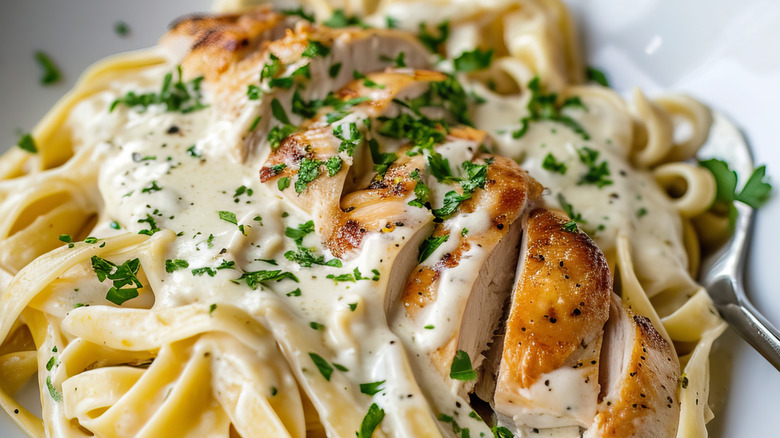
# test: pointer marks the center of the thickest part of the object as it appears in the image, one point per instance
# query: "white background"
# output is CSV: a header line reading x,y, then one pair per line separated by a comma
x,y
724,52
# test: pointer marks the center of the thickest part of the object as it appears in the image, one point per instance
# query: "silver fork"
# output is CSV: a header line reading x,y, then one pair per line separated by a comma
x,y
722,272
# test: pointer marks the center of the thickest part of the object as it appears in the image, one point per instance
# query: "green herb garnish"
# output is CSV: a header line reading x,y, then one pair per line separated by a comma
x,y
27,143
371,421
325,369
461,367
429,245
474,60
51,74
175,265
372,387
545,107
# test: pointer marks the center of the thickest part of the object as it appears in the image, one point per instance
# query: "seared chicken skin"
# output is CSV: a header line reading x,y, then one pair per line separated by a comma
x,y
638,377
548,375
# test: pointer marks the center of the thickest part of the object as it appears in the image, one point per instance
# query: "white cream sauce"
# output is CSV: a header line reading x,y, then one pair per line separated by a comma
x,y
151,171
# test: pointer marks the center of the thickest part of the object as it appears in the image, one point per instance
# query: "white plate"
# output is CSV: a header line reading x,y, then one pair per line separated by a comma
x,y
725,53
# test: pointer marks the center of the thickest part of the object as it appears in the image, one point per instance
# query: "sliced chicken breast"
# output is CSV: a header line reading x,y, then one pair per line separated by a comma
x,y
281,57
549,367
470,278
355,200
639,375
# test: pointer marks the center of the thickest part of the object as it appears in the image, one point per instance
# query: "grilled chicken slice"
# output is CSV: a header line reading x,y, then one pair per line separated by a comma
x,y
380,204
469,276
549,368
639,375
230,52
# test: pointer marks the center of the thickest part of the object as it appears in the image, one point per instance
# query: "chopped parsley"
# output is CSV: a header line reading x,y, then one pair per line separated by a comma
x,y
316,326
351,138
340,19
342,278
334,70
334,165
569,210
315,49
372,387
463,432
151,188
27,143
51,74
501,432
175,265
597,76
228,216
570,226
212,308
152,225
461,367
176,96
192,151
546,107
382,160
121,28
304,256
421,131
641,212
429,245
474,60
308,171
55,395
476,177
325,369
254,124
421,191
253,92
431,41
283,183
294,293
367,82
278,112
271,68
371,421
125,283
340,107
598,173
440,168
399,60
257,278
204,270
551,164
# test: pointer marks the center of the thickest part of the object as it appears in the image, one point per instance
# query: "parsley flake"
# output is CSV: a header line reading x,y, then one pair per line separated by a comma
x,y
372,388
474,60
51,74
429,245
371,421
461,367
325,369
27,143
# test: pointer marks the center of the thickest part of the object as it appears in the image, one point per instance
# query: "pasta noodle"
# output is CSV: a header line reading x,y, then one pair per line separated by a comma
x,y
158,287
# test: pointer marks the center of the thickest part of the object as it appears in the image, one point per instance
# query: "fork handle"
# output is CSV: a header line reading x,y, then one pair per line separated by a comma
x,y
755,329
